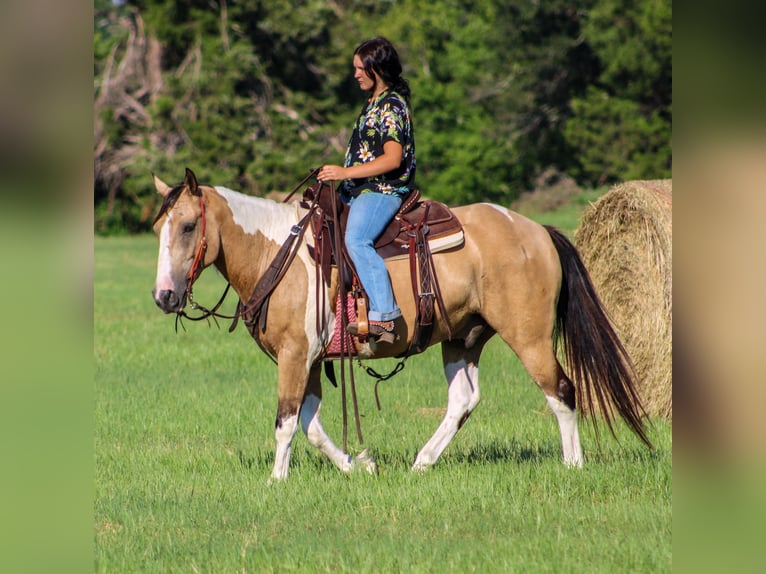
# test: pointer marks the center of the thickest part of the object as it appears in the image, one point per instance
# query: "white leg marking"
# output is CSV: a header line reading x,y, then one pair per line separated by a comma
x,y
317,436
284,435
463,397
570,435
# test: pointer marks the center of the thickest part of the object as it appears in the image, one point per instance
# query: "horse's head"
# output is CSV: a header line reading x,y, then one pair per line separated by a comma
x,y
180,227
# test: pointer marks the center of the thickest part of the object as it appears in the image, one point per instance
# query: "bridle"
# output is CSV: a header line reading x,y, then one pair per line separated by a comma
x,y
198,264
194,272
199,256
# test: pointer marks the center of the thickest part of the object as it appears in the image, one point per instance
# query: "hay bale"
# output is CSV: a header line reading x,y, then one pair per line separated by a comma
x,y
625,240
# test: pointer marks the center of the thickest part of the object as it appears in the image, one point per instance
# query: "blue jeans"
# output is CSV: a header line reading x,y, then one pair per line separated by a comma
x,y
369,215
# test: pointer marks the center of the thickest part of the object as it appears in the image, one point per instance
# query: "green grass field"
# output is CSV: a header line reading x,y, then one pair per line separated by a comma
x,y
184,446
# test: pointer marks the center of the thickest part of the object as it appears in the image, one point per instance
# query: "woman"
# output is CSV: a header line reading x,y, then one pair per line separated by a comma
x,y
379,169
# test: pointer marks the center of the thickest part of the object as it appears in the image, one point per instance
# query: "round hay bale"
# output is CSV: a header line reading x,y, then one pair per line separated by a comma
x,y
625,239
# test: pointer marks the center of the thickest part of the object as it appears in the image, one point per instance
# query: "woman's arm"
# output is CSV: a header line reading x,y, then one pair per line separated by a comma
x,y
389,161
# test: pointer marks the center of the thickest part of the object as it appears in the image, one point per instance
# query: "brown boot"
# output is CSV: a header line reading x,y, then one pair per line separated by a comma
x,y
383,331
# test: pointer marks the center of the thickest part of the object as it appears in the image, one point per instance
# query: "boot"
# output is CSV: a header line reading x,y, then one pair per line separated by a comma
x,y
383,331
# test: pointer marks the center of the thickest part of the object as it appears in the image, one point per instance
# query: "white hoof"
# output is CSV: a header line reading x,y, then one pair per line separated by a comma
x,y
420,466
365,461
576,463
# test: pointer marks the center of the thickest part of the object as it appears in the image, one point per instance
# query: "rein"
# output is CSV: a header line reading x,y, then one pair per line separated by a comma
x,y
254,311
196,268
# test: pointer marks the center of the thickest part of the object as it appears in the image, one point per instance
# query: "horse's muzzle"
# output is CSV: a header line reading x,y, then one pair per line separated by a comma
x,y
167,300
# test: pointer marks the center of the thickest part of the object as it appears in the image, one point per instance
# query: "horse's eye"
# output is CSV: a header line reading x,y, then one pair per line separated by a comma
x,y
188,227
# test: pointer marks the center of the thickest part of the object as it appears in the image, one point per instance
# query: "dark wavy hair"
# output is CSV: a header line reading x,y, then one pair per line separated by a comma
x,y
379,55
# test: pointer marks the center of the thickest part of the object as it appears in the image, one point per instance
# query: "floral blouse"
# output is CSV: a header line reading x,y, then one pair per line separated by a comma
x,y
385,119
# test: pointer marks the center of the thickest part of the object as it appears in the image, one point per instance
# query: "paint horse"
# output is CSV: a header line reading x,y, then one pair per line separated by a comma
x,y
512,277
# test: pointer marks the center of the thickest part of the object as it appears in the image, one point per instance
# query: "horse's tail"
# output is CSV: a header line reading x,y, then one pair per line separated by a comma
x,y
595,356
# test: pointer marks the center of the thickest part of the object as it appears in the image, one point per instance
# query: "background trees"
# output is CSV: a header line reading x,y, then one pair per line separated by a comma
x,y
251,94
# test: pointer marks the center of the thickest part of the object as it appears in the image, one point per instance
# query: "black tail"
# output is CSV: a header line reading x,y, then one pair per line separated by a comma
x,y
596,358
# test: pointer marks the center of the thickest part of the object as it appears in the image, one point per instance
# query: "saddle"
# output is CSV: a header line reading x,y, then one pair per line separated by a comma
x,y
419,229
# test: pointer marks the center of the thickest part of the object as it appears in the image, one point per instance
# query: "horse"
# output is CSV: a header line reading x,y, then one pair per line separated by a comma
x,y
512,277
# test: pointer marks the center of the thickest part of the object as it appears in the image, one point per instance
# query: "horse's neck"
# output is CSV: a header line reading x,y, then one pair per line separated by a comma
x,y
257,215
252,230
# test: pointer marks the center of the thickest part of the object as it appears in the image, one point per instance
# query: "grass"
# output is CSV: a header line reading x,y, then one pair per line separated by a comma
x,y
184,447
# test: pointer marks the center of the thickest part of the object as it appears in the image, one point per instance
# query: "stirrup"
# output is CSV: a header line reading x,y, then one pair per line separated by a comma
x,y
382,330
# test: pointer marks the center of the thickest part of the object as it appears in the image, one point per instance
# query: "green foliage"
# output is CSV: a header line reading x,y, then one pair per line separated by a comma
x,y
252,94
621,128
616,141
633,42
450,61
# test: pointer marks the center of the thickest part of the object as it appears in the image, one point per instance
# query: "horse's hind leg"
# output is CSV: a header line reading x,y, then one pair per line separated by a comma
x,y
563,406
540,361
312,426
461,366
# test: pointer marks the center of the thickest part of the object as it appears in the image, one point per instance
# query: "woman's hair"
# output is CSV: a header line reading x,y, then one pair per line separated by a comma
x,y
379,55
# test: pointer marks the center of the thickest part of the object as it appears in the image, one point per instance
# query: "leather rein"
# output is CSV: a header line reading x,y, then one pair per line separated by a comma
x,y
253,312
194,272
197,265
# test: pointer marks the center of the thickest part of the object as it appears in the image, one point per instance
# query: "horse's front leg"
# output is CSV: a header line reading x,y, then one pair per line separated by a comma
x,y
293,378
315,433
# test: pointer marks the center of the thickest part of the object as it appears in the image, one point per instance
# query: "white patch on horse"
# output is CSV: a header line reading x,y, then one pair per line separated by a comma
x,y
275,221
314,308
570,435
502,210
254,214
164,261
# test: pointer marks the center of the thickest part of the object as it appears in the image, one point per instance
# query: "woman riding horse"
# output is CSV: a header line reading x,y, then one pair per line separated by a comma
x,y
378,171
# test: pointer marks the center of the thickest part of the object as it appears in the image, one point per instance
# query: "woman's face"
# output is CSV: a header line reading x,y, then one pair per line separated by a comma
x,y
366,83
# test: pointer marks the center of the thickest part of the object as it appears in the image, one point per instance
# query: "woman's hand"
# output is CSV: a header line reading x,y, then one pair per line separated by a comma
x,y
332,173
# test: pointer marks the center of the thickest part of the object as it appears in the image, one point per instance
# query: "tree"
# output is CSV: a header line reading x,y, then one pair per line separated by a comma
x,y
621,128
616,140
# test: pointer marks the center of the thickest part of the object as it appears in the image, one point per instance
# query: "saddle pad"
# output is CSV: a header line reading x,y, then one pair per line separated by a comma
x,y
437,244
333,351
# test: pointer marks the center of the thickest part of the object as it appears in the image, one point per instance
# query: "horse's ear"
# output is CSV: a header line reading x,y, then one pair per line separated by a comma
x,y
162,188
191,183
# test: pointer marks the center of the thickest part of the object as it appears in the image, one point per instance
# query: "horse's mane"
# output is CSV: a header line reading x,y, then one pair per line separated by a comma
x,y
169,201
